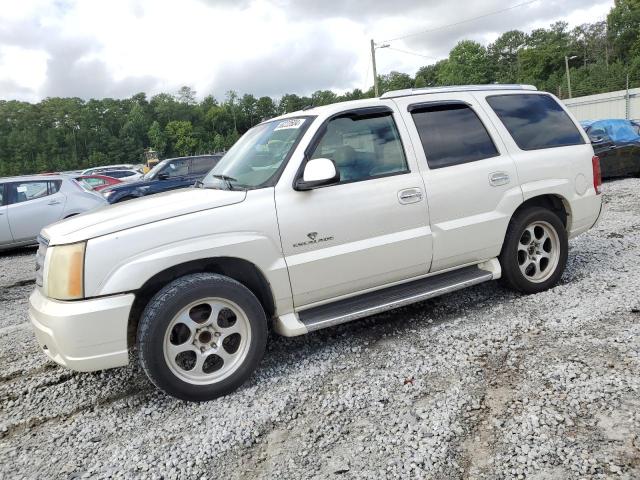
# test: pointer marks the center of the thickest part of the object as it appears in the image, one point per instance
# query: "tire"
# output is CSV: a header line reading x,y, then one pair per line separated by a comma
x,y
534,254
201,336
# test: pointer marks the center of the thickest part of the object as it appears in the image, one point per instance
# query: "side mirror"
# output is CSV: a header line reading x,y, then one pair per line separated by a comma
x,y
597,139
163,176
318,172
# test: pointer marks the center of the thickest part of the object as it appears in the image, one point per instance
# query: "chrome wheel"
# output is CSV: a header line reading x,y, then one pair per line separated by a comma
x,y
207,341
538,251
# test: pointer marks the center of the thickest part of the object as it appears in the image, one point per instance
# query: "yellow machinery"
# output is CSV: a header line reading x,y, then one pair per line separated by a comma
x,y
150,159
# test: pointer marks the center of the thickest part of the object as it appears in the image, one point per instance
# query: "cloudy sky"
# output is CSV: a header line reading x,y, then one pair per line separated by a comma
x,y
115,48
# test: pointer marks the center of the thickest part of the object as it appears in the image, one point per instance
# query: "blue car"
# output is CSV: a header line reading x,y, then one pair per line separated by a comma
x,y
170,174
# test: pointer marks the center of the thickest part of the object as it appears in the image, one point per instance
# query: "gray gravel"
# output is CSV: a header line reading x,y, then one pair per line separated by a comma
x,y
483,383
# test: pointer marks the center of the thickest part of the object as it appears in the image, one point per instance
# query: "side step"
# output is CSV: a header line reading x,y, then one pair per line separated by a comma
x,y
392,297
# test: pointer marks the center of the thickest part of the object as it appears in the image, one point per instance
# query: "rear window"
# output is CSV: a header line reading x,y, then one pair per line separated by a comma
x,y
535,121
452,134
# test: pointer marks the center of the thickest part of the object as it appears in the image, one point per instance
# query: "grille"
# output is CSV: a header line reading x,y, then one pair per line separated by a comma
x,y
43,243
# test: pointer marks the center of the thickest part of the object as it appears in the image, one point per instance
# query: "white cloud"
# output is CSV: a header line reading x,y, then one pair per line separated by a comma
x,y
95,49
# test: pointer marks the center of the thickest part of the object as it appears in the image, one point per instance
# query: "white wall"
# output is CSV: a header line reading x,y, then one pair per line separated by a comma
x,y
605,105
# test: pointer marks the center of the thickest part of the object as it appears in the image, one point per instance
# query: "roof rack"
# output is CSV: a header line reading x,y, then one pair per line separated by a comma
x,y
457,88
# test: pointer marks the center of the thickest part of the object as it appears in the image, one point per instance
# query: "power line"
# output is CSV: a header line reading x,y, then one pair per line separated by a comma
x,y
462,21
412,53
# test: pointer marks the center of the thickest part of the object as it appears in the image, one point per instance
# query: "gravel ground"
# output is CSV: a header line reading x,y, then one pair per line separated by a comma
x,y
482,383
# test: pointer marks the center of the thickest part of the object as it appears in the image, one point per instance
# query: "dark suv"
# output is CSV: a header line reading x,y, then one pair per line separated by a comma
x,y
169,174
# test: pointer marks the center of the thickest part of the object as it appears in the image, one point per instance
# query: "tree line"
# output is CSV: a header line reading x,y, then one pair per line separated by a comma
x,y
68,133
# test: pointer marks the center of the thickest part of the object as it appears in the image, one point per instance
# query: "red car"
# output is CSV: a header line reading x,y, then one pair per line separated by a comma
x,y
98,182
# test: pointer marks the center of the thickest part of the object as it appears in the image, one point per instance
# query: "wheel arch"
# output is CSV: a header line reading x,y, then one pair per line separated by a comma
x,y
243,271
554,202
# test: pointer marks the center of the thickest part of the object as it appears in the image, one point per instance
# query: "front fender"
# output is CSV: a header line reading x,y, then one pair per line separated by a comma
x,y
123,261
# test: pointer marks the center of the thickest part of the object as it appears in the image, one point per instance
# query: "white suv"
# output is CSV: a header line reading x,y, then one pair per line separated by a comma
x,y
317,218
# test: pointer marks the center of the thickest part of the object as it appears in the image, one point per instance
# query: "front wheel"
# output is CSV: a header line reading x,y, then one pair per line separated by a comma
x,y
201,336
535,249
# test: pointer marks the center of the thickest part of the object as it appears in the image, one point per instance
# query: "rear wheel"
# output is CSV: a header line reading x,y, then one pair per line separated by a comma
x,y
534,253
202,336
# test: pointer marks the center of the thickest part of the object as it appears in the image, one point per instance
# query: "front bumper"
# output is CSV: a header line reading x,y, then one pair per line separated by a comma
x,y
83,335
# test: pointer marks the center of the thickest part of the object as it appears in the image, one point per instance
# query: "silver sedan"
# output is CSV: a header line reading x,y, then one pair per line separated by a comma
x,y
29,203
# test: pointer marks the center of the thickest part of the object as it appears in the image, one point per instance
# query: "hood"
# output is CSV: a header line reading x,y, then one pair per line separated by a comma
x,y
121,216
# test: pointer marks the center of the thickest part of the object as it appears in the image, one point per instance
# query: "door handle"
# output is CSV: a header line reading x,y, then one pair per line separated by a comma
x,y
54,202
498,178
409,195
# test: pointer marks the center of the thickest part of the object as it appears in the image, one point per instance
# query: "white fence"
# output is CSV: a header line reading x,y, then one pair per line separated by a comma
x,y
620,104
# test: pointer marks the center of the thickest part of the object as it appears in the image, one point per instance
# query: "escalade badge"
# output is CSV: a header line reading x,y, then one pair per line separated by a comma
x,y
313,239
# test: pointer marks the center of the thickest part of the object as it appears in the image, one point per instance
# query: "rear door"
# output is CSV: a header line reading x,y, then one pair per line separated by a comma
x,y
33,205
5,231
471,181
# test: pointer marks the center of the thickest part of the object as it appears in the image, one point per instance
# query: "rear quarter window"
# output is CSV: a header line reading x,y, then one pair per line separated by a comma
x,y
535,121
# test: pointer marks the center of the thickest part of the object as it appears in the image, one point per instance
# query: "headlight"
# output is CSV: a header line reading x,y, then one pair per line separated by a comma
x,y
65,272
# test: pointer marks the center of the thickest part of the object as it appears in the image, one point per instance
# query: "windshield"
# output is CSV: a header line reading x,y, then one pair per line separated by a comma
x,y
151,174
256,158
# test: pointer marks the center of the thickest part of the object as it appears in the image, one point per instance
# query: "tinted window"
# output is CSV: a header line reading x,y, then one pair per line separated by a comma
x,y
535,121
25,191
119,173
452,135
1,194
177,168
202,165
362,147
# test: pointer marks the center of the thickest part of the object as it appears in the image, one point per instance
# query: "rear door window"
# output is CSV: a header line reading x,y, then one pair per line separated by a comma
x,y
535,121
451,134
1,194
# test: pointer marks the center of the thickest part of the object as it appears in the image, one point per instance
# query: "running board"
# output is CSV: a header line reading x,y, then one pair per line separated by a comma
x,y
389,298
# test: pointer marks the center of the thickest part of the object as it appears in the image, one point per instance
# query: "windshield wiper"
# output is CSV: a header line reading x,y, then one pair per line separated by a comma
x,y
227,180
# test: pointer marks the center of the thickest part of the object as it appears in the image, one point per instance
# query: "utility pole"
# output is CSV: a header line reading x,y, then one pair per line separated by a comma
x,y
373,61
627,106
566,64
375,72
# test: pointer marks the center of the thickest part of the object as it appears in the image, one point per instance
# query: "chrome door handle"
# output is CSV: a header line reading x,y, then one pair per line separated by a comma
x,y
54,202
498,178
410,195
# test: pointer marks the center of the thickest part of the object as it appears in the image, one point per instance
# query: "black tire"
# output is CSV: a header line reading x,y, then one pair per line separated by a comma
x,y
511,259
168,303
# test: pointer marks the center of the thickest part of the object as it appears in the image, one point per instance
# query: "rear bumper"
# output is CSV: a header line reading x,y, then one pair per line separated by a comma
x,y
585,213
82,335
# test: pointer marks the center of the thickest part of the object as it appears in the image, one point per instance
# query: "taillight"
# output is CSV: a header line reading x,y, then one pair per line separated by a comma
x,y
597,175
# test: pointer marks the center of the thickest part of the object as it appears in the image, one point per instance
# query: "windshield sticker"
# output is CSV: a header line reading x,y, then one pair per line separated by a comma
x,y
291,123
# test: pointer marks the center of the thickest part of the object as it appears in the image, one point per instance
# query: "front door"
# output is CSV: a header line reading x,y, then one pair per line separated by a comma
x,y
471,180
33,205
5,231
370,229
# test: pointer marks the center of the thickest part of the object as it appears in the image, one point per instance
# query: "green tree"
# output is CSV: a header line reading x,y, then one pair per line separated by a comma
x,y
503,56
180,136
623,24
157,138
467,65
